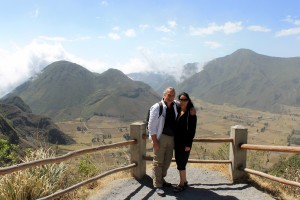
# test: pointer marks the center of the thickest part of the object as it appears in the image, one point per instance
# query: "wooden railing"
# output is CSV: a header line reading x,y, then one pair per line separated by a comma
x,y
135,132
270,148
59,159
240,147
208,140
238,155
138,158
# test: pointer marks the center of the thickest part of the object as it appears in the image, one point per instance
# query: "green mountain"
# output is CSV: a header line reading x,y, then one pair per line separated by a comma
x,y
248,79
25,129
65,90
158,81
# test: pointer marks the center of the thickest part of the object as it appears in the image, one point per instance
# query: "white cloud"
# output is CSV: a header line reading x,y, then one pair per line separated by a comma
x,y
230,27
257,28
116,28
172,24
20,64
54,39
166,29
212,44
163,29
291,20
62,39
160,62
227,28
288,32
82,38
130,33
144,26
133,65
114,36
212,28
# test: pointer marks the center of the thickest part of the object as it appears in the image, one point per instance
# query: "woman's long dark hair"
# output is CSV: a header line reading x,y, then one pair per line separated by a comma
x,y
190,103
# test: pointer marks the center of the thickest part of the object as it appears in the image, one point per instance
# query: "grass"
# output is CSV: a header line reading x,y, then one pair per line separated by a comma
x,y
34,182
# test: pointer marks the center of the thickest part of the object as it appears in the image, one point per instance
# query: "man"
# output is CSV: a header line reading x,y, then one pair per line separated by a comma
x,y
161,131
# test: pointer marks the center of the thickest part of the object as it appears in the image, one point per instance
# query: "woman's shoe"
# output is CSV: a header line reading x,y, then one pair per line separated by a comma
x,y
186,184
179,188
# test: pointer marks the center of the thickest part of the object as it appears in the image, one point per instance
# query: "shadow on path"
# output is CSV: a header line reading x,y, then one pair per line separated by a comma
x,y
194,191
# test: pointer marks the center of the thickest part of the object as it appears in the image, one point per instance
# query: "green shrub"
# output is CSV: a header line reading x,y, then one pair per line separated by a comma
x,y
86,168
8,153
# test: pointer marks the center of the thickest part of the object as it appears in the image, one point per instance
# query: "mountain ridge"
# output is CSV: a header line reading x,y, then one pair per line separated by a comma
x,y
248,79
65,91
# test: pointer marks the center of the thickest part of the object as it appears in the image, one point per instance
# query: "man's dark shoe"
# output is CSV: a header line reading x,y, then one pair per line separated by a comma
x,y
160,192
166,184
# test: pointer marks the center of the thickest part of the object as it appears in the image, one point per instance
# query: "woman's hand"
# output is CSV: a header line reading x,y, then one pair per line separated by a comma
x,y
193,111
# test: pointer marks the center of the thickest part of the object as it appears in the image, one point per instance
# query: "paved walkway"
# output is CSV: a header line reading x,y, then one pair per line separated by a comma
x,y
203,184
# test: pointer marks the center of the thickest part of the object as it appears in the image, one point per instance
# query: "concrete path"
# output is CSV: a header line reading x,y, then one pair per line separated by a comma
x,y
203,184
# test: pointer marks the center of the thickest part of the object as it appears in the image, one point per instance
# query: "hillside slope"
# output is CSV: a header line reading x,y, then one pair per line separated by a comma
x,y
65,90
27,129
248,79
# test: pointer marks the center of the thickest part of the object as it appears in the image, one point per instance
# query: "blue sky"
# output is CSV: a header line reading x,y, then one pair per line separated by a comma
x,y
139,35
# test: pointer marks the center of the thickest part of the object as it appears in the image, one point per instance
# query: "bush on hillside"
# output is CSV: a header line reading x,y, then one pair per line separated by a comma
x,y
8,153
34,182
289,169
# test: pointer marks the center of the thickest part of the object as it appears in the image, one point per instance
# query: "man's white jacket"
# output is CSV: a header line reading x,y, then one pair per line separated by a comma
x,y
156,123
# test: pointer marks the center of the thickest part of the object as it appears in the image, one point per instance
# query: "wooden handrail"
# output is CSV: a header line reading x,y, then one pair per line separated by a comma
x,y
274,178
69,189
58,159
270,148
213,140
150,158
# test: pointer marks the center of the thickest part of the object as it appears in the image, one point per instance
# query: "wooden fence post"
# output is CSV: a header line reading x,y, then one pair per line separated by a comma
x,y
237,155
138,150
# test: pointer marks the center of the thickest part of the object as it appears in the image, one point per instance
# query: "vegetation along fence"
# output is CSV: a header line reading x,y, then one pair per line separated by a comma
x,y
237,157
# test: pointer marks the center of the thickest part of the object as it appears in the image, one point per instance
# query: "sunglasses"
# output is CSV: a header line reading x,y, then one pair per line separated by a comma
x,y
183,100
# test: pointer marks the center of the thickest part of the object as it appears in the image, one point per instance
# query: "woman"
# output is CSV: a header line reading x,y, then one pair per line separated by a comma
x,y
185,133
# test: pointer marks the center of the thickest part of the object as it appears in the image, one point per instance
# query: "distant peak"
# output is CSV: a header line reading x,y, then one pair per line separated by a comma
x,y
113,71
243,52
64,65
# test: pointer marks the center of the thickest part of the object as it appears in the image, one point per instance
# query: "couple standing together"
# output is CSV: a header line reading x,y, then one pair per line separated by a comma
x,y
174,129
